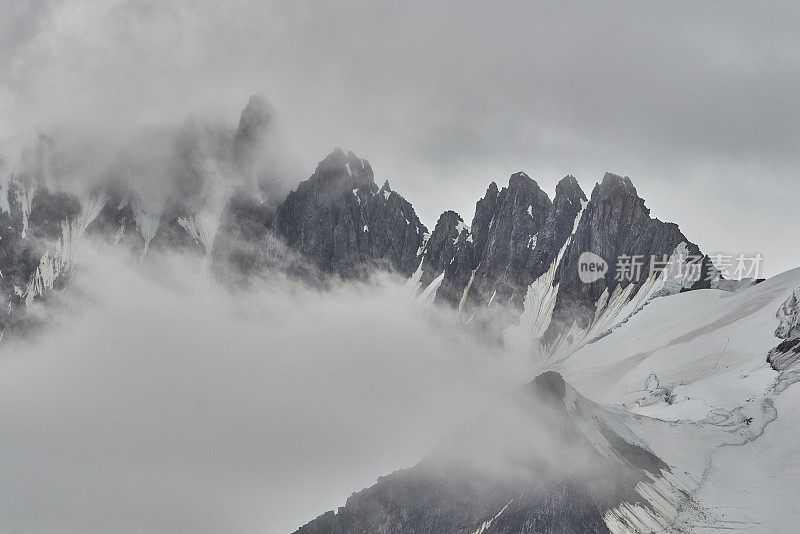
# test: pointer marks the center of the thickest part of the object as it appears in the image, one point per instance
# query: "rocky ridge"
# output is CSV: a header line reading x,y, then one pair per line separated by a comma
x,y
514,269
786,354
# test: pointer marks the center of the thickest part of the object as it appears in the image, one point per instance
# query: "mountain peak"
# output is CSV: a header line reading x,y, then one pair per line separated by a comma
x,y
614,185
338,220
549,386
255,119
338,167
520,179
569,187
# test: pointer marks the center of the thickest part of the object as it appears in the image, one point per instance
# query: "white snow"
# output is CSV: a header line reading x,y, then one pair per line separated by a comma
x,y
147,215
540,300
24,196
709,346
63,255
412,284
753,487
698,359
426,298
4,205
614,309
463,299
687,374
486,524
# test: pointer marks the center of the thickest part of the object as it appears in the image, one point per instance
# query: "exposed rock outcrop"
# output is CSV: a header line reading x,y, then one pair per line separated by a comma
x,y
523,254
449,254
617,226
346,225
788,351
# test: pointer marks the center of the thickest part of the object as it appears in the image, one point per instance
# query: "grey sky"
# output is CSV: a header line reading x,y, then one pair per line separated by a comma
x,y
697,103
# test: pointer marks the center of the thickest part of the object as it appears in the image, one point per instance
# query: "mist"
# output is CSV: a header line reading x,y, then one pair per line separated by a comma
x,y
156,396
155,404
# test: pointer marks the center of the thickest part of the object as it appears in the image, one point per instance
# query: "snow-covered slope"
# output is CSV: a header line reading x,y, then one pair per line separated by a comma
x,y
698,360
688,355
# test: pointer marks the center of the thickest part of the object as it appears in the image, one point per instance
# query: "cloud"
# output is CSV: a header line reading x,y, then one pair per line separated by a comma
x,y
156,403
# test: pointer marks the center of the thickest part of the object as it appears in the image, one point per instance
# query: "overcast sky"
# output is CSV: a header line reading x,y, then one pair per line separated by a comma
x,y
697,103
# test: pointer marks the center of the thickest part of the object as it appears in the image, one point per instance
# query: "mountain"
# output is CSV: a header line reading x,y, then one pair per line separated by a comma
x,y
543,460
224,196
221,195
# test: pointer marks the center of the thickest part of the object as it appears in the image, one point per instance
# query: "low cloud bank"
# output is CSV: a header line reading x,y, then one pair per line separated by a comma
x,y
156,401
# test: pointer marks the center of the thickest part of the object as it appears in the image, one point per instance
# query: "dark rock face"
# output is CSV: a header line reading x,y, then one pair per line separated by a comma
x,y
518,235
28,230
484,215
615,224
787,352
558,227
522,242
524,467
346,225
448,251
519,213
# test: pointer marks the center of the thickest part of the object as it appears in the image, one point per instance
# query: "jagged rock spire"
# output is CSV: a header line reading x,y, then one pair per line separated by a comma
x,y
341,220
256,118
615,225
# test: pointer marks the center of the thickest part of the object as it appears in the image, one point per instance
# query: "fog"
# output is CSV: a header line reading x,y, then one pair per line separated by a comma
x,y
155,400
153,404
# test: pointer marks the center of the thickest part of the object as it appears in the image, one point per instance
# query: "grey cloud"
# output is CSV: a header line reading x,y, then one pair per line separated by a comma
x,y
160,405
